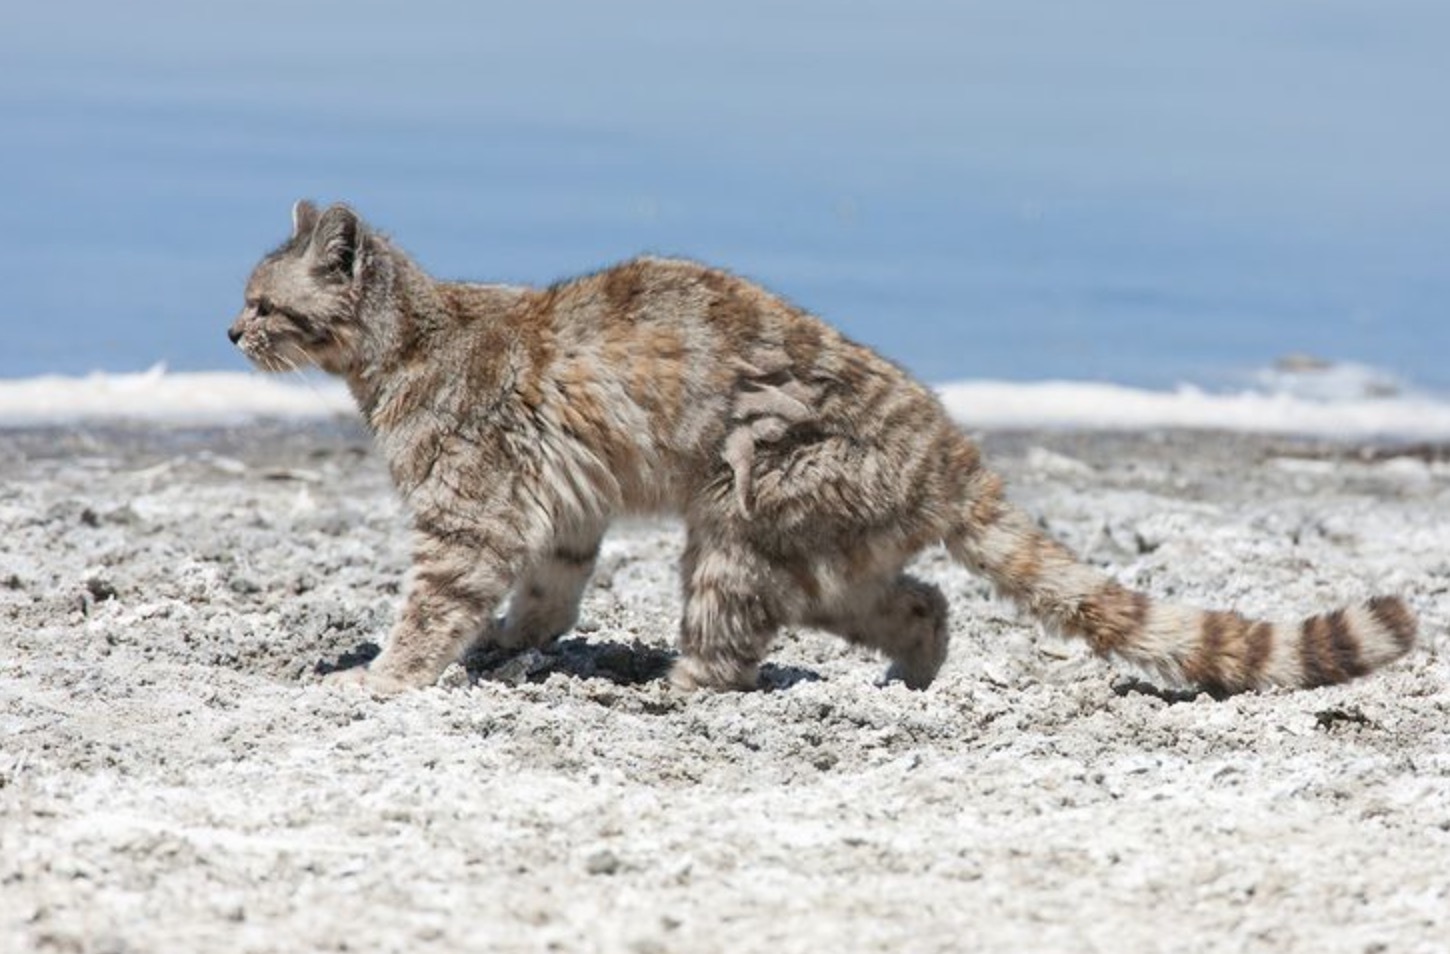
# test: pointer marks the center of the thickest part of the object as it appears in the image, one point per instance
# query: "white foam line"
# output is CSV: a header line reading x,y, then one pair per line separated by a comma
x,y
155,395
1087,405
227,396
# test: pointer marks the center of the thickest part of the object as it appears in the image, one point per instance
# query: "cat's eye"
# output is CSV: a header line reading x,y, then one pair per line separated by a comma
x,y
263,309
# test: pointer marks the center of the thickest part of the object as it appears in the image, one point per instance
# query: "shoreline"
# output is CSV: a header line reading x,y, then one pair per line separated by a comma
x,y
287,437
1343,403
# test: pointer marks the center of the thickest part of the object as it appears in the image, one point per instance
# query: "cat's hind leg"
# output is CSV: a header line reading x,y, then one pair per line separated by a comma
x,y
902,616
731,614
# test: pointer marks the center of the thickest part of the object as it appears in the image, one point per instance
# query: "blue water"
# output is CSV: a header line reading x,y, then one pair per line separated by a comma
x,y
1131,190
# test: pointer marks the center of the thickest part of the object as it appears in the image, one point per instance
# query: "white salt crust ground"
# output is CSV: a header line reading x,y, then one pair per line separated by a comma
x,y
174,778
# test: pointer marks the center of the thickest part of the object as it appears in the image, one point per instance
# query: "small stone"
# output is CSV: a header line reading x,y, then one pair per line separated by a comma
x,y
516,671
454,677
243,585
602,862
124,515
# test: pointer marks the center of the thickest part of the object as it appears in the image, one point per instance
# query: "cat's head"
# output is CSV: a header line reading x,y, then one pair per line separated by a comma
x,y
302,300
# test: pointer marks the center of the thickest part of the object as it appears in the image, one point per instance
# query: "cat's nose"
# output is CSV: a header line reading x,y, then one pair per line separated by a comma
x,y
234,333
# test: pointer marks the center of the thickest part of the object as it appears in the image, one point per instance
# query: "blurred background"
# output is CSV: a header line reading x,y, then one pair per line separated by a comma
x,y
1126,190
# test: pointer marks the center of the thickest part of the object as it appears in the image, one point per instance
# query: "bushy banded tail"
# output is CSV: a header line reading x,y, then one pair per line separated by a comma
x,y
1215,650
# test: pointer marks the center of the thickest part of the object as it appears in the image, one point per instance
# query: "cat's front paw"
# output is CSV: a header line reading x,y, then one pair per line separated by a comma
x,y
361,677
690,673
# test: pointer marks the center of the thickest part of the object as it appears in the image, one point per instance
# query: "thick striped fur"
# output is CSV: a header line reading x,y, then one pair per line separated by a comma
x,y
518,422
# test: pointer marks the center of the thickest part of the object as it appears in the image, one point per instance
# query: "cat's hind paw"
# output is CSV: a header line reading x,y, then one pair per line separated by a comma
x,y
362,678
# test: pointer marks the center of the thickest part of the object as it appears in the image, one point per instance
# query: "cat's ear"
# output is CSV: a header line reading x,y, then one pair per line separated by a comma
x,y
335,240
304,218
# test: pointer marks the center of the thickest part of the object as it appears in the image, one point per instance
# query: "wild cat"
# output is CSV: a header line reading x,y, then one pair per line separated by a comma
x,y
517,422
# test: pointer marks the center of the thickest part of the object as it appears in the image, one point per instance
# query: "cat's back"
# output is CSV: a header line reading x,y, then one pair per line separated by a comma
x,y
667,320
651,291
664,304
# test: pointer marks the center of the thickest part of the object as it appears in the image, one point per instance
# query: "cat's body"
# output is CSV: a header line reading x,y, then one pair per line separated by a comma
x,y
808,470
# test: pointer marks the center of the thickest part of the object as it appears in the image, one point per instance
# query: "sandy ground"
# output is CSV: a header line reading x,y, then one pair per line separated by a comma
x,y
173,777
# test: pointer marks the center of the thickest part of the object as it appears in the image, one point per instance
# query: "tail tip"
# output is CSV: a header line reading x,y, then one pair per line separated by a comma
x,y
1396,618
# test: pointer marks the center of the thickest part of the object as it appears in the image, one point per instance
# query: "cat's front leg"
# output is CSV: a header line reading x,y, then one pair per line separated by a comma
x,y
461,571
545,602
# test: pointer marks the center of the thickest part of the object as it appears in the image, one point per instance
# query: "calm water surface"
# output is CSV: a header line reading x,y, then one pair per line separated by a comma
x,y
1127,190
